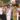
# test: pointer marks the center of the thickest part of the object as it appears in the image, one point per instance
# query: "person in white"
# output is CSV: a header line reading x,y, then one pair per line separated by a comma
x,y
1,12
18,9
8,14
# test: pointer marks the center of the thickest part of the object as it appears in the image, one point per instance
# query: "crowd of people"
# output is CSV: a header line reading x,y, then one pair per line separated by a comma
x,y
5,12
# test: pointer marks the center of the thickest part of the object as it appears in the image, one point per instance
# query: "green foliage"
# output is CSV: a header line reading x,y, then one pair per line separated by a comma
x,y
5,1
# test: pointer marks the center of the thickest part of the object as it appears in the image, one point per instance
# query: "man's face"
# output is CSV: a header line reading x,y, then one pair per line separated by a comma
x,y
5,7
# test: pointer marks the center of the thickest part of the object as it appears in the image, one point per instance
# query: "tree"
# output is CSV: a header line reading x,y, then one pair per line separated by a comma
x,y
5,1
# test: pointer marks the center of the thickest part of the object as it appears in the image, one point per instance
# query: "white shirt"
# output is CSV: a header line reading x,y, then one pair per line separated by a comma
x,y
9,12
18,9
1,11
17,15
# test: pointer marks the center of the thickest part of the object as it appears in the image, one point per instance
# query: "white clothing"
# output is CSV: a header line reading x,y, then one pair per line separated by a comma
x,y
18,9
1,11
17,15
9,14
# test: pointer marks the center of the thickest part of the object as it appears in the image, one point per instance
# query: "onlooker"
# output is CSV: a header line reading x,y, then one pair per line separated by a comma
x,y
8,13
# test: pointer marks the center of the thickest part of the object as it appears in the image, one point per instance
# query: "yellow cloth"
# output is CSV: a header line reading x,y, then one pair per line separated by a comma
x,y
14,14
